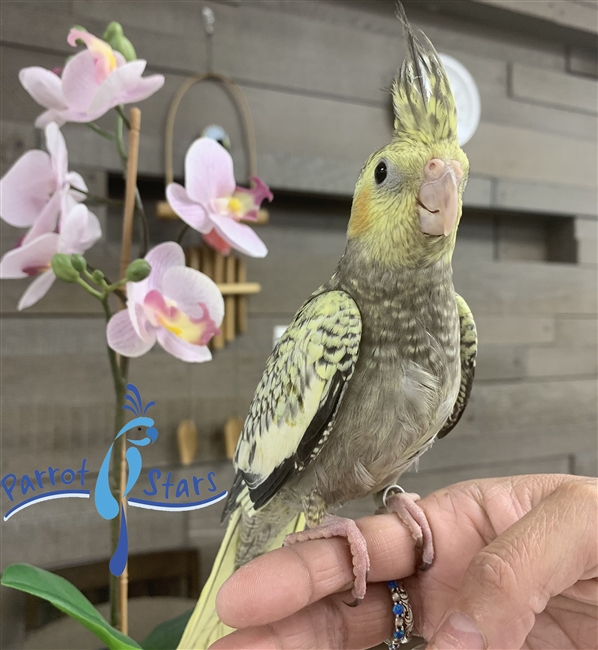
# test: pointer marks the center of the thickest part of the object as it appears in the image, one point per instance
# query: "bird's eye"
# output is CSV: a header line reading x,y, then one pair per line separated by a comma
x,y
380,172
138,428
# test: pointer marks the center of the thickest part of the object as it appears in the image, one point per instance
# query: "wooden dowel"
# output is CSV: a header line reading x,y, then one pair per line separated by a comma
x,y
186,434
193,257
232,431
229,302
207,265
239,288
218,278
241,299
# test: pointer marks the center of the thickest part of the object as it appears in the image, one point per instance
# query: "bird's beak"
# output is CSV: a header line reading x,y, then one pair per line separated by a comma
x,y
438,197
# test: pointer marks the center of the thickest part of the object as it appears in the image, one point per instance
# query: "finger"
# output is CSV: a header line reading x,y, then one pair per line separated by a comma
x,y
511,580
281,583
326,624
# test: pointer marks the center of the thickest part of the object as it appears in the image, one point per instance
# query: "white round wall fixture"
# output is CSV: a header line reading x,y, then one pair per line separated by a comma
x,y
467,97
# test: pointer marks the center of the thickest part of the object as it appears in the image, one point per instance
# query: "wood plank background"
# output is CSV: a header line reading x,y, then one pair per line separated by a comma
x,y
315,75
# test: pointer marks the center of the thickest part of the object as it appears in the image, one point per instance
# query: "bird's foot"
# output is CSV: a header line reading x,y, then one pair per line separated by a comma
x,y
333,526
404,505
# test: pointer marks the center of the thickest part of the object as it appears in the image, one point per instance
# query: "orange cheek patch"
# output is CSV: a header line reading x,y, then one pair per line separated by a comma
x,y
359,221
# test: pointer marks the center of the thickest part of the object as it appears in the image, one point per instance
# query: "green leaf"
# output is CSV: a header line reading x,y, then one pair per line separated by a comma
x,y
167,635
68,599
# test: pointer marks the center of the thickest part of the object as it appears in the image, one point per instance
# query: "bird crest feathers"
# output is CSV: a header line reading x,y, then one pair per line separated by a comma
x,y
423,102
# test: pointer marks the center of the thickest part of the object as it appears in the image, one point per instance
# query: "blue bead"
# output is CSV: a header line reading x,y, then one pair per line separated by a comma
x,y
401,634
393,584
396,634
398,609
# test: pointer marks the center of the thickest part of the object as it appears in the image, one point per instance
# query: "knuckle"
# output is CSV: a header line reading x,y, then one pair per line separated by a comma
x,y
583,490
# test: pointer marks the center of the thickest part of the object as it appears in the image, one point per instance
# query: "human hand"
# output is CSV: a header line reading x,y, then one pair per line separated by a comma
x,y
516,566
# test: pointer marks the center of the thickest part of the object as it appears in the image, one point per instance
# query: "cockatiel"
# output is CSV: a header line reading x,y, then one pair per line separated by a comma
x,y
377,363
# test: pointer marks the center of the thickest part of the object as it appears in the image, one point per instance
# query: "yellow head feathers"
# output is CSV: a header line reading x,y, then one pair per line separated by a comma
x,y
408,198
423,101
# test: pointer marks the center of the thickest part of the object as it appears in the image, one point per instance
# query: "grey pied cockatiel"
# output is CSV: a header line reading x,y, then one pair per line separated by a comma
x,y
377,364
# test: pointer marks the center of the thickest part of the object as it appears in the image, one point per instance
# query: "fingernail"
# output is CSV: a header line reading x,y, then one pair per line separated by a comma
x,y
458,632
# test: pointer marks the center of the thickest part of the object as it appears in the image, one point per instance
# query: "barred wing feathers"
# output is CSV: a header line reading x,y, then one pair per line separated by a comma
x,y
469,349
297,399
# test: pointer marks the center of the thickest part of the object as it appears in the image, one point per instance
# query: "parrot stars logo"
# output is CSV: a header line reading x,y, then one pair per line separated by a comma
x,y
140,432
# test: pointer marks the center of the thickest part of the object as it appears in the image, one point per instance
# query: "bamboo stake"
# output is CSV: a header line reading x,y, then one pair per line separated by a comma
x,y
125,260
130,189
123,579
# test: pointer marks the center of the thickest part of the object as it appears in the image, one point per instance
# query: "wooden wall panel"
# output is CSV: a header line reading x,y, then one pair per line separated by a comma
x,y
529,155
514,329
554,89
578,15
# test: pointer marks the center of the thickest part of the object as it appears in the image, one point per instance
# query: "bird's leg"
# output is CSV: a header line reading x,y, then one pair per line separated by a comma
x,y
404,505
333,526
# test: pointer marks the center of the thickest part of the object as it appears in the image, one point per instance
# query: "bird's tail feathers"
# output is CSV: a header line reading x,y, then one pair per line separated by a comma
x,y
204,626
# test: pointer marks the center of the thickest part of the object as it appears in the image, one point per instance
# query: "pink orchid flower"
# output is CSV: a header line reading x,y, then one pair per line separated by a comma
x,y
79,230
93,81
212,204
33,190
178,306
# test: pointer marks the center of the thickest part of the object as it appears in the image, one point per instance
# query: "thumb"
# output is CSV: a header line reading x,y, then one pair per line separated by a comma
x,y
512,579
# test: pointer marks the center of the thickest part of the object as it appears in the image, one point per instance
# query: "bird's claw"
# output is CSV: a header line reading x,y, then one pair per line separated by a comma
x,y
333,526
405,507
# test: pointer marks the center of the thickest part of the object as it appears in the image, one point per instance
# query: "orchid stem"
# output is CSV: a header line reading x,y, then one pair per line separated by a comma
x,y
120,143
111,353
94,198
91,290
100,131
120,373
115,285
144,227
184,229
125,119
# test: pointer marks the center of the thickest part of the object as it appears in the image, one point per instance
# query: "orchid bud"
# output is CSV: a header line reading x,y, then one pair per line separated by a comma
x,y
63,268
115,37
78,41
78,262
138,270
97,276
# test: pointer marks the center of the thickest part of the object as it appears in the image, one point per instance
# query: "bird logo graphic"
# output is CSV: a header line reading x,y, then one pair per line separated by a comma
x,y
107,506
